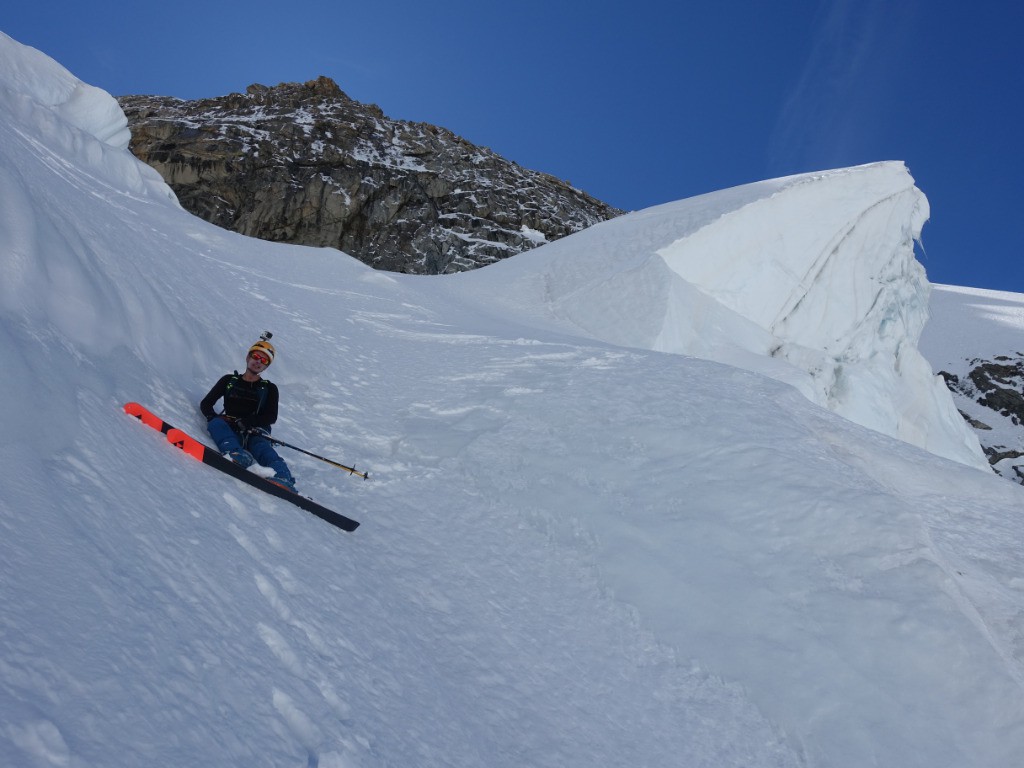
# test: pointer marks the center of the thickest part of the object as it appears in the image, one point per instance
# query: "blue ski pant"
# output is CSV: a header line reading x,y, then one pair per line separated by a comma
x,y
262,450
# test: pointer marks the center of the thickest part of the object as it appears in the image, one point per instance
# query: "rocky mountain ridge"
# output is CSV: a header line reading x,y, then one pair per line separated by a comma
x,y
304,163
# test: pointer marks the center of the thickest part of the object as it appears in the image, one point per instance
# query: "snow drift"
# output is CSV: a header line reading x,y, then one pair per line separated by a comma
x,y
810,279
576,551
40,81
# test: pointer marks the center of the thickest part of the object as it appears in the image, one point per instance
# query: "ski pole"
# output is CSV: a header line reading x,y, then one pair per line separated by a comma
x,y
353,470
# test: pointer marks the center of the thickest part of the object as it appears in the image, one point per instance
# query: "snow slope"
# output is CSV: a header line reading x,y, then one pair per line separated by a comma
x,y
809,279
574,551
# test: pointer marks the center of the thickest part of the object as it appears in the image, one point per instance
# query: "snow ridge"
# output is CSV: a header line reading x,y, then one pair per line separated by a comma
x,y
810,279
36,76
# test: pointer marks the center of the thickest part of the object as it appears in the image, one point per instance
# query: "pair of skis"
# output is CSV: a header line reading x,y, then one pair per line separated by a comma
x,y
210,457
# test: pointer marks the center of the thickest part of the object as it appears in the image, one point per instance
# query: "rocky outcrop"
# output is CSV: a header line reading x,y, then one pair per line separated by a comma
x,y
990,400
304,163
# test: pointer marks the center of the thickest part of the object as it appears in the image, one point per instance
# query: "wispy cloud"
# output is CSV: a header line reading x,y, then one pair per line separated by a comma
x,y
843,89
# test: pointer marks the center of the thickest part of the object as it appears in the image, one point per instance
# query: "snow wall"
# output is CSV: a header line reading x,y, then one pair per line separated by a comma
x,y
810,279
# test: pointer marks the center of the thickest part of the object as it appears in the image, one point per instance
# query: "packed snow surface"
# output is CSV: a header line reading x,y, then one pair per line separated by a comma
x,y
578,546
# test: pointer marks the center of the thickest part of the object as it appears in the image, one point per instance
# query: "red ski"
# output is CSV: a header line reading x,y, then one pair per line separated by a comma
x,y
210,457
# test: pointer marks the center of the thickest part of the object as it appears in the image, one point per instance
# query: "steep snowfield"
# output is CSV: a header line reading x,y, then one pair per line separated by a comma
x,y
574,551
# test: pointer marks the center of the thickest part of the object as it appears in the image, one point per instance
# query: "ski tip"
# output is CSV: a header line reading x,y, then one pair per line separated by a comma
x,y
147,418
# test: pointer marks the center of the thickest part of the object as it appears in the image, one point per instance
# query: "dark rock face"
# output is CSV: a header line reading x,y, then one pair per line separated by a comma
x,y
990,398
303,163
999,385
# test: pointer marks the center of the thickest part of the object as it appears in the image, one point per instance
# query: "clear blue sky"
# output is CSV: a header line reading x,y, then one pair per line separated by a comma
x,y
638,103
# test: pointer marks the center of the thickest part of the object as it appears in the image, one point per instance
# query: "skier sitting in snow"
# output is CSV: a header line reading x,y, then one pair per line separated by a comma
x,y
250,408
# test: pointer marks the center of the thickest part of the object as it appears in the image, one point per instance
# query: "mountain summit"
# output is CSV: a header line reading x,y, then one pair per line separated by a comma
x,y
304,163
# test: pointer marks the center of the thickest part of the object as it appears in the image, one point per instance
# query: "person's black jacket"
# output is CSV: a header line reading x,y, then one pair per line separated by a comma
x,y
255,403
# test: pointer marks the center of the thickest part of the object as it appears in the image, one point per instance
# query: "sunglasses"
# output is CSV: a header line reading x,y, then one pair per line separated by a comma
x,y
260,358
